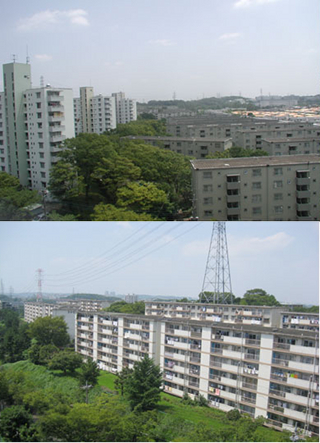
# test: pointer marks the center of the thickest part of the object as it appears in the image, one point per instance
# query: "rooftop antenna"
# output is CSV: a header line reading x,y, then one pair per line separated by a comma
x,y
14,57
27,57
41,82
217,277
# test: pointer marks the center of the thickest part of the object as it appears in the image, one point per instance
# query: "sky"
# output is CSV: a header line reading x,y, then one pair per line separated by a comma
x,y
155,49
159,258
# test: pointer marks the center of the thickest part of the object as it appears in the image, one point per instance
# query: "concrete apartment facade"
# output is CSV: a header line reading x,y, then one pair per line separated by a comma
x,y
48,122
257,188
260,360
35,121
4,167
291,146
193,147
103,114
126,108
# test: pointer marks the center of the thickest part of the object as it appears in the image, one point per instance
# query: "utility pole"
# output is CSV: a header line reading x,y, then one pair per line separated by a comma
x,y
86,387
217,277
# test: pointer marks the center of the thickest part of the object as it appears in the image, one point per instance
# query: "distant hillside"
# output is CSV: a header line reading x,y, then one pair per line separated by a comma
x,y
92,297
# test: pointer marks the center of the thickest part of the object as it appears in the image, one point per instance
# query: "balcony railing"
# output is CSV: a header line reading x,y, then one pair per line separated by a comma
x,y
280,362
248,400
277,393
281,346
251,357
253,342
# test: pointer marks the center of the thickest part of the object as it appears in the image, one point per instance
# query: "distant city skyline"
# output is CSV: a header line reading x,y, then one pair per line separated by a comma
x,y
161,49
159,258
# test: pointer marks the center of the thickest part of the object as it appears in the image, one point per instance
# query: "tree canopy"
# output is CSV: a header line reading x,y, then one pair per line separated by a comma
x,y
14,199
259,297
49,330
143,385
127,308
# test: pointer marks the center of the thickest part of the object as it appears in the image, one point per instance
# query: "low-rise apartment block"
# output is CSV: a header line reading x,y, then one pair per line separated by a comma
x,y
261,360
291,146
257,188
193,147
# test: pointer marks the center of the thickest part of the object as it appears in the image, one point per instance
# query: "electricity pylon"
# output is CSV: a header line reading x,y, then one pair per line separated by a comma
x,y
217,279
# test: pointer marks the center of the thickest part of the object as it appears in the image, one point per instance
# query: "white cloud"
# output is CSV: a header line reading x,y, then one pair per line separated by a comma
x,y
43,19
43,57
231,36
162,42
248,3
254,246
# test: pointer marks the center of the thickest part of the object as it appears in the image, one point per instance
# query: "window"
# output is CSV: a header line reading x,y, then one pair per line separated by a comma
x,y
256,211
43,175
38,94
208,213
256,185
41,154
39,105
42,165
278,184
278,196
207,174
207,201
278,209
39,115
256,172
207,188
256,198
277,171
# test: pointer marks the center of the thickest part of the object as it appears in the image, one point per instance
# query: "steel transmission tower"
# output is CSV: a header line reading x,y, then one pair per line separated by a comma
x,y
217,279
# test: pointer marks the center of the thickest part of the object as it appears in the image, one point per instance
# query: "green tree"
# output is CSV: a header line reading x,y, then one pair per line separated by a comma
x,y
259,297
144,197
13,421
14,340
89,372
104,212
66,361
14,199
49,330
122,378
127,308
143,385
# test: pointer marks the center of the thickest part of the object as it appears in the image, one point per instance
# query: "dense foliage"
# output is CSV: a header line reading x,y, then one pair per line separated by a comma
x,y
236,151
54,409
14,340
101,177
127,308
49,331
14,199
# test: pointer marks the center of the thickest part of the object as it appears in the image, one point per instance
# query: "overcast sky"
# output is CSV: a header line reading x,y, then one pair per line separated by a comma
x,y
153,48
158,258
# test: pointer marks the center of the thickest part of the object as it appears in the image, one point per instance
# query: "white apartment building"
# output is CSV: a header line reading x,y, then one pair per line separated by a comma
x,y
261,360
86,94
48,122
4,167
257,188
34,124
194,147
126,108
77,116
103,114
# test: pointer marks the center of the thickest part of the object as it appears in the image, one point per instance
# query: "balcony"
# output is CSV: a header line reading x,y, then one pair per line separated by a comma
x,y
281,346
57,138
58,118
56,128
248,400
302,181
303,207
55,108
233,211
303,216
303,194
252,342
251,357
233,185
233,198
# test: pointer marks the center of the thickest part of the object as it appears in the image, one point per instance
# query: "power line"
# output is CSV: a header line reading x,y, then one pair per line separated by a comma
x,y
195,225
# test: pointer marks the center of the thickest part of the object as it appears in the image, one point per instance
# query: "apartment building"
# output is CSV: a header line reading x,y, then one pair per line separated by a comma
x,y
48,122
98,113
103,114
253,137
116,340
4,167
194,147
35,121
126,109
261,360
291,146
257,188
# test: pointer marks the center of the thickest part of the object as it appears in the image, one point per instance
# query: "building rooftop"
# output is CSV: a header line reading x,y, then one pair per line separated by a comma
x,y
247,162
178,139
291,139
